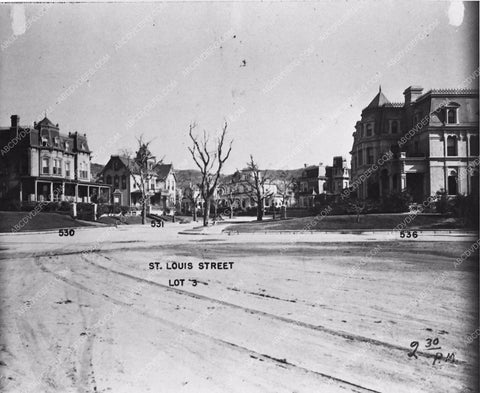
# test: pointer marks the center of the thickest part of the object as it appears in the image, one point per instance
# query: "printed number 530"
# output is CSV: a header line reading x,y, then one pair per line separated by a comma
x,y
66,232
408,234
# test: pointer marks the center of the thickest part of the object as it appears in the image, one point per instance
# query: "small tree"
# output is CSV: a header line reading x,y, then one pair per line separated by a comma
x,y
257,182
287,185
140,168
359,207
193,196
229,195
209,163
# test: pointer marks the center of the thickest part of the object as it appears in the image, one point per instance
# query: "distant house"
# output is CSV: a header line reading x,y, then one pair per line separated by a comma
x,y
238,189
122,175
318,180
191,199
310,185
40,163
165,187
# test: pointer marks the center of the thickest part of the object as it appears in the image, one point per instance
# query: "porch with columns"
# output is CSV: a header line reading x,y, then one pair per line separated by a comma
x,y
58,190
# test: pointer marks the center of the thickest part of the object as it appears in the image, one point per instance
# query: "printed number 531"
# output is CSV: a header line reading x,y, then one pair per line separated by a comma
x,y
408,234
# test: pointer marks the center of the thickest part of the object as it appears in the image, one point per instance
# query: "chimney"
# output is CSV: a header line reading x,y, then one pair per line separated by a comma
x,y
412,93
304,165
15,120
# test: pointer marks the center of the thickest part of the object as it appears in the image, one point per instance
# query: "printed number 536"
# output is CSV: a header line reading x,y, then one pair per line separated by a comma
x,y
408,234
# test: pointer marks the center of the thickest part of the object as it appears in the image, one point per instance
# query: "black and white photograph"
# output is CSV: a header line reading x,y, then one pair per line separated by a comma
x,y
239,196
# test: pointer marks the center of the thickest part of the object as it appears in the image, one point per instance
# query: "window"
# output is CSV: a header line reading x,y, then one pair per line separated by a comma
x,y
45,166
124,182
56,141
57,166
394,127
115,166
115,181
67,145
369,129
416,119
474,182
451,115
452,183
83,170
452,146
474,145
109,179
369,155
44,141
67,169
360,157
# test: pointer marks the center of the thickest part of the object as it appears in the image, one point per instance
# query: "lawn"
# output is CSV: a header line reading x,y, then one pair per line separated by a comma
x,y
349,222
38,222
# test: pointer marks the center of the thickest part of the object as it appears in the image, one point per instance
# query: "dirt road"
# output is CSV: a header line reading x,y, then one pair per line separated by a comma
x,y
90,314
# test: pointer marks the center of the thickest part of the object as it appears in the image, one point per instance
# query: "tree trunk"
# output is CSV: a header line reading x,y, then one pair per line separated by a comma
x,y
206,213
144,212
259,212
231,211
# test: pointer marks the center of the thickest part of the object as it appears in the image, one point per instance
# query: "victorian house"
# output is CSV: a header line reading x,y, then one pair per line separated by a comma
x,y
318,181
40,163
123,176
434,140
237,191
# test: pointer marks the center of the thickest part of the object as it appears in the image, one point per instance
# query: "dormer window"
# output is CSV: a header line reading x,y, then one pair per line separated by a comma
x,y
451,116
67,146
56,141
44,141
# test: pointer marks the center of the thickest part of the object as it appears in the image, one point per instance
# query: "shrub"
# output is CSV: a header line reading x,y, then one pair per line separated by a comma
x,y
64,206
465,208
396,203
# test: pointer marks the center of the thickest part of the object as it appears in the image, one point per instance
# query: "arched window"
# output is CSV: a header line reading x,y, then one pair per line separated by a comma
x,y
109,179
452,146
474,145
452,183
451,115
124,182
116,181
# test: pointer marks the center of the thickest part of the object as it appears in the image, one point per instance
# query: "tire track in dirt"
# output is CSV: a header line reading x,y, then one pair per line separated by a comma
x,y
347,336
265,357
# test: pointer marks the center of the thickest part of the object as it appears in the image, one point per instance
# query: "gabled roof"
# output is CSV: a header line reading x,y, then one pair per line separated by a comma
x,y
379,100
162,170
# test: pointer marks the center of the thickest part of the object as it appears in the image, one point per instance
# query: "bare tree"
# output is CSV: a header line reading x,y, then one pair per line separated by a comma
x,y
287,185
210,164
140,168
193,196
229,195
359,207
258,191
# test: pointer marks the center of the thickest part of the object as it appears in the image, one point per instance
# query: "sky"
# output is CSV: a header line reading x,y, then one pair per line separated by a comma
x,y
290,78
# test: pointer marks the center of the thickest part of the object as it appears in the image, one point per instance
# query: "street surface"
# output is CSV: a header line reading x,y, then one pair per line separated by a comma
x,y
305,313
